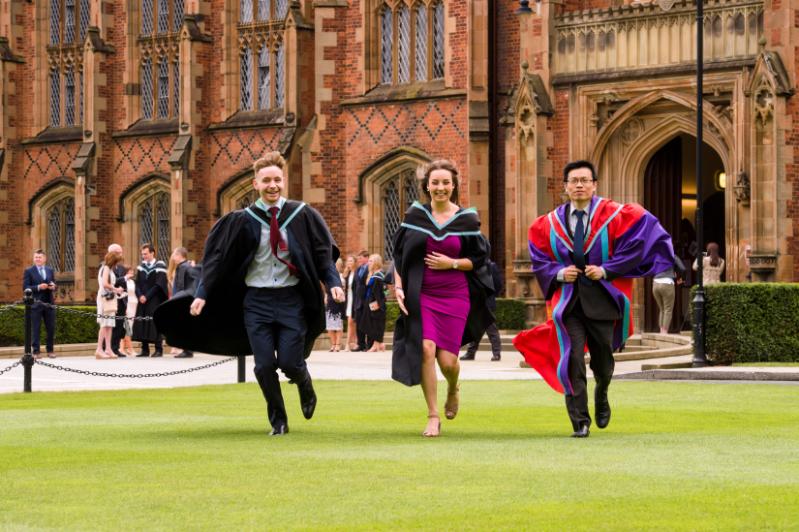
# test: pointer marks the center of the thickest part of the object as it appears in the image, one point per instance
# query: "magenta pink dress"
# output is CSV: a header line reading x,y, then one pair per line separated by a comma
x,y
444,299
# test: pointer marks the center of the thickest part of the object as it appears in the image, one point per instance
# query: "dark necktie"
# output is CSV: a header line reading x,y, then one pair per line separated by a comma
x,y
276,240
579,241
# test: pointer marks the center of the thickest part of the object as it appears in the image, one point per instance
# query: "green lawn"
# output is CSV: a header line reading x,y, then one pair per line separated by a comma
x,y
677,456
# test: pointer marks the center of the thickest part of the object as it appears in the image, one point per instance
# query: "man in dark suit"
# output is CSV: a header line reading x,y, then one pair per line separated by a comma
x,y
40,279
492,331
358,295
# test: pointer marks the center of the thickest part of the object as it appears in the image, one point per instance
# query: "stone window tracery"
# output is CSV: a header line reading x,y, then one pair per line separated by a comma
x,y
399,192
153,214
159,54
68,22
60,246
262,57
411,41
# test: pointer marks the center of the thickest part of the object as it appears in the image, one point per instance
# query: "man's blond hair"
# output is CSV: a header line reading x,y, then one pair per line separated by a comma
x,y
272,158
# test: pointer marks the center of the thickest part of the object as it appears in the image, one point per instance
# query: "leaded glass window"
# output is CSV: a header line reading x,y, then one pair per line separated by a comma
x,y
55,98
263,78
280,75
246,79
147,88
421,42
69,97
55,22
398,194
84,19
163,16
247,200
404,45
245,11
438,40
281,8
264,9
61,236
154,224
163,88
176,88
69,21
80,97
178,17
386,46
147,17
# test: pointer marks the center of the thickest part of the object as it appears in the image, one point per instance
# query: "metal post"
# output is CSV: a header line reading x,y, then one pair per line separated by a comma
x,y
242,362
27,358
699,360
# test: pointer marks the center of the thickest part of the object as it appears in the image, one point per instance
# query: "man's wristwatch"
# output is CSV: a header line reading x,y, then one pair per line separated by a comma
x,y
455,264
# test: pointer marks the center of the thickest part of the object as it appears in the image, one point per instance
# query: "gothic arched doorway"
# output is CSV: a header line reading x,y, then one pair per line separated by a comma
x,y
670,194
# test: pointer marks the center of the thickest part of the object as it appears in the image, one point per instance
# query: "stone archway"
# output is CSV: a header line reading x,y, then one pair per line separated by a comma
x,y
637,131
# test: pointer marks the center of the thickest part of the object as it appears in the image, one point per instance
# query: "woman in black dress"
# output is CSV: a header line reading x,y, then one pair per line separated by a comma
x,y
334,313
375,300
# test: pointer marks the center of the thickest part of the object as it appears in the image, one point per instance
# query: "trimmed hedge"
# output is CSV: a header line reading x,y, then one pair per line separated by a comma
x,y
752,322
69,328
511,314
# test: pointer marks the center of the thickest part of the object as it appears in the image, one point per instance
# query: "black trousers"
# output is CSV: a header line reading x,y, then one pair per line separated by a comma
x,y
493,336
599,336
38,313
119,327
276,329
360,332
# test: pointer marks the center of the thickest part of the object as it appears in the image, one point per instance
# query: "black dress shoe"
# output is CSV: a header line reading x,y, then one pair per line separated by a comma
x,y
307,398
120,354
157,354
601,407
495,358
582,432
143,354
279,430
185,354
467,356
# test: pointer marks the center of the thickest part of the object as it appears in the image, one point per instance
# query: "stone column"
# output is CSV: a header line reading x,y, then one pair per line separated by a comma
x,y
477,95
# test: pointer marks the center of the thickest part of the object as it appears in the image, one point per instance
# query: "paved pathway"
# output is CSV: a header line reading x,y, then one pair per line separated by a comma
x,y
323,366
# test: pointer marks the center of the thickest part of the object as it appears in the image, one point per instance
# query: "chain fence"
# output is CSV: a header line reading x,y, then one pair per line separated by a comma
x,y
94,314
133,375
12,366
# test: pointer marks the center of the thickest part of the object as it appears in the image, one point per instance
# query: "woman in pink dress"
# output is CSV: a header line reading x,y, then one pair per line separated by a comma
x,y
441,285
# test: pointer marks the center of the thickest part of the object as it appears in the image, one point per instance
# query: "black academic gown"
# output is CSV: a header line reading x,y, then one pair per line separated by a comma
x,y
374,321
151,282
229,250
410,246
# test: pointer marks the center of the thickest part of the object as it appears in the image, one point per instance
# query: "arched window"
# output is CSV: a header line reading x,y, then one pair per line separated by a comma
x,y
236,193
153,214
60,245
399,192
406,38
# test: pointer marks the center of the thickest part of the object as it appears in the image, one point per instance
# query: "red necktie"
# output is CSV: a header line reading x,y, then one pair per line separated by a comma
x,y
276,240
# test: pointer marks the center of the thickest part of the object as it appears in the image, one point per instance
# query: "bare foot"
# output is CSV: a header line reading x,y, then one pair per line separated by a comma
x,y
433,429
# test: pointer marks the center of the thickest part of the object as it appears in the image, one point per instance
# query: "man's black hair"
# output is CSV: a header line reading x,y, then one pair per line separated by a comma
x,y
578,164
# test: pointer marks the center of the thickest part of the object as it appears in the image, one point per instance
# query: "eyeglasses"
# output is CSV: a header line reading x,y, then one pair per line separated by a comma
x,y
580,180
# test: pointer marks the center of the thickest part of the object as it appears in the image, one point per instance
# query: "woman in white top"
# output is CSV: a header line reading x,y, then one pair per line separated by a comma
x,y
349,276
107,292
712,265
130,311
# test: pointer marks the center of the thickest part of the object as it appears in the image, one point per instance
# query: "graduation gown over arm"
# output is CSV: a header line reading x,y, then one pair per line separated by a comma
x,y
229,249
625,239
410,247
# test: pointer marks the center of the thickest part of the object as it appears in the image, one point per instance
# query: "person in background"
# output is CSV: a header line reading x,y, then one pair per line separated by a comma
x,y
107,294
492,331
122,303
334,312
349,276
40,279
359,291
374,312
712,265
184,279
663,288
130,311
151,290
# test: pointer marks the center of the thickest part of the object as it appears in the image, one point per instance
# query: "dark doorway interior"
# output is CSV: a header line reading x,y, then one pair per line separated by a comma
x,y
670,194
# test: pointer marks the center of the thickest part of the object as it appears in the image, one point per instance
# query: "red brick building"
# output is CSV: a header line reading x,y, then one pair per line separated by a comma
x,y
137,120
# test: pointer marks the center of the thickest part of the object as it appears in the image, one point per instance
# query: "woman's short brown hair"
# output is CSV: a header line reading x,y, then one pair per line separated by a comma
x,y
272,158
439,164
